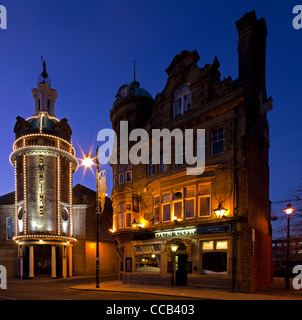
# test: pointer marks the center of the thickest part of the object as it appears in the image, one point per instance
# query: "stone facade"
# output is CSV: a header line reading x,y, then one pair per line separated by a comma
x,y
176,209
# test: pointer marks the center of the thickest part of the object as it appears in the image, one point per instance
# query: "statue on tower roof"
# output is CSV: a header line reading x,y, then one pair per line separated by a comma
x,y
44,77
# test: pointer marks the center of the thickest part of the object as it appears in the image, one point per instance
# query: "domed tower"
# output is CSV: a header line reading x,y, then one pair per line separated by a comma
x,y
44,161
133,106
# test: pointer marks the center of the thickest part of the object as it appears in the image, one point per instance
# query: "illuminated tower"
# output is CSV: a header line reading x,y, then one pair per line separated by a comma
x,y
44,161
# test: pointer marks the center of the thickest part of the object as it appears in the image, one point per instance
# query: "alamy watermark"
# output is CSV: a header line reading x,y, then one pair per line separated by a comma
x,y
3,17
3,277
185,145
297,21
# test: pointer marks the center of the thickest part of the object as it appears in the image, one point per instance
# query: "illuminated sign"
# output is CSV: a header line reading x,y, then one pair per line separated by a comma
x,y
176,233
193,231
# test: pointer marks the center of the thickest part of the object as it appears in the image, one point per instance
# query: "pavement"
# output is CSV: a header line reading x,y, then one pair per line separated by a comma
x,y
276,291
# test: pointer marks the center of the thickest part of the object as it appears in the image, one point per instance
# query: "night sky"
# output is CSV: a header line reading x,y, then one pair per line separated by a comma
x,y
89,47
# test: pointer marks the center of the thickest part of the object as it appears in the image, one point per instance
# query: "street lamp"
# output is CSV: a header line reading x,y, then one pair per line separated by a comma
x,y
289,210
174,248
88,162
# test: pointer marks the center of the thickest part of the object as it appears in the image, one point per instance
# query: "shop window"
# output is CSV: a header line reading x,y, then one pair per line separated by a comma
x,y
147,263
214,262
214,257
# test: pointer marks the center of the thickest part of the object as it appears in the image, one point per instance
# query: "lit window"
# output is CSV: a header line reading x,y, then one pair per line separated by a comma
x,y
221,245
167,197
156,209
121,209
217,141
189,208
121,221
127,219
208,245
182,101
156,214
147,263
167,212
178,209
204,206
214,257
190,193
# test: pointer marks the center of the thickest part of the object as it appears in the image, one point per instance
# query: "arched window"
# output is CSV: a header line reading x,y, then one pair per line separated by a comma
x,y
182,101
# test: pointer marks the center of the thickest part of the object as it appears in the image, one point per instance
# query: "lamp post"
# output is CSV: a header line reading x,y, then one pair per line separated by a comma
x,y
289,210
87,162
174,248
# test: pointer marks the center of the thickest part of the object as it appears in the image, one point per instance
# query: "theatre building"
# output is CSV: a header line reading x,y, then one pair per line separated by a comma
x,y
47,226
206,230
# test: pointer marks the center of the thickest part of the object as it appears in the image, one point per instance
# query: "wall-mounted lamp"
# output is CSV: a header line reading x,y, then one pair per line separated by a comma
x,y
174,247
134,224
220,212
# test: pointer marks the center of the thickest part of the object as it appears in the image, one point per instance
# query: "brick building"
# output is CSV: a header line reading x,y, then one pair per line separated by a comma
x,y
164,220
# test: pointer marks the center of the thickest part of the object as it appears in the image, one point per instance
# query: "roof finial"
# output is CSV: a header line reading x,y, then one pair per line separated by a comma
x,y
134,74
44,77
44,72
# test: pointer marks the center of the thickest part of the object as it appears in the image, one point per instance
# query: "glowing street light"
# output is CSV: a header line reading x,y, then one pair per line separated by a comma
x,y
289,210
87,162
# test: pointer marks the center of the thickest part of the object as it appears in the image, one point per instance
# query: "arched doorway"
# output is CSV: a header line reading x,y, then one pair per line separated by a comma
x,y
180,251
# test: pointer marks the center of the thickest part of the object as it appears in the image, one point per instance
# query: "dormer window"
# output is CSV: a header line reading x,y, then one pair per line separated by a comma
x,y
182,101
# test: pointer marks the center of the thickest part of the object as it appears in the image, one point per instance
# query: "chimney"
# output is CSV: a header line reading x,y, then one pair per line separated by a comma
x,y
252,56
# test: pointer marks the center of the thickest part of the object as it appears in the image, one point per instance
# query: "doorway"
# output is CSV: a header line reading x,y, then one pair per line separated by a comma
x,y
181,269
42,260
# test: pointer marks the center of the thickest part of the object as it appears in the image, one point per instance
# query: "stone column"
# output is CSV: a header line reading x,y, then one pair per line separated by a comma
x,y
20,252
53,262
31,262
64,262
70,260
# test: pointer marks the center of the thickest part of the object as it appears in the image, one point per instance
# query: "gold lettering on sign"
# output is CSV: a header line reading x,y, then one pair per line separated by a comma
x,y
41,176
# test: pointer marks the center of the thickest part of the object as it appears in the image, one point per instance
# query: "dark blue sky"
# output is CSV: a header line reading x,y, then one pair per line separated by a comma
x,y
90,45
